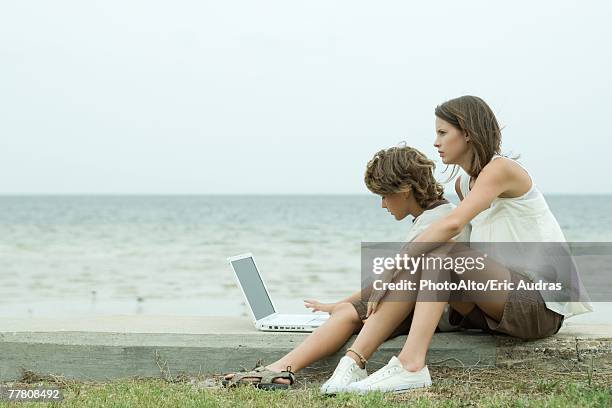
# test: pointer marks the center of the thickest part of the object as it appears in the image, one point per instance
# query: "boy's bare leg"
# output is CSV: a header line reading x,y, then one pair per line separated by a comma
x,y
324,341
327,339
341,325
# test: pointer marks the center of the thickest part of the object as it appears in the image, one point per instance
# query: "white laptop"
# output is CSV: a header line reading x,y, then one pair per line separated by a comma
x,y
262,308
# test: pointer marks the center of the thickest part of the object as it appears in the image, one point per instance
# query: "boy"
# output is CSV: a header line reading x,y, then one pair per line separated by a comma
x,y
403,177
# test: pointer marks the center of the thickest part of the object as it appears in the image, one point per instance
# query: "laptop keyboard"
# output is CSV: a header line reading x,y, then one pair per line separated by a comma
x,y
291,320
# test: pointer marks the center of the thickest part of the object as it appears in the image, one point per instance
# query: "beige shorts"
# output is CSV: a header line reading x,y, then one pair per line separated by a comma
x,y
525,316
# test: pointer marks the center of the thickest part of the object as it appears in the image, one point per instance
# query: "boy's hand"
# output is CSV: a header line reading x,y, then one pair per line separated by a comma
x,y
317,306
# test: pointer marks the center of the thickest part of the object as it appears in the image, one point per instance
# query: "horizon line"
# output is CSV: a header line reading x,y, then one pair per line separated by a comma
x,y
245,194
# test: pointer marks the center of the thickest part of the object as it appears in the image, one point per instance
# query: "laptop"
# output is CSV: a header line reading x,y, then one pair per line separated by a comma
x,y
263,311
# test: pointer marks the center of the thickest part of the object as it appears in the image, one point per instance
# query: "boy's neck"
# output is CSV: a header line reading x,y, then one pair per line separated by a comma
x,y
415,212
418,210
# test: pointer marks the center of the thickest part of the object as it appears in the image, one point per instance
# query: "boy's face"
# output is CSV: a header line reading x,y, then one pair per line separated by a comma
x,y
397,204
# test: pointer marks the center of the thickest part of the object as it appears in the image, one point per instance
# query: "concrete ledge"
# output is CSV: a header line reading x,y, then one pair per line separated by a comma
x,y
125,346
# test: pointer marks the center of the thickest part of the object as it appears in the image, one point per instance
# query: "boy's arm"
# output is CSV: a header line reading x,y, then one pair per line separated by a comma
x,y
329,307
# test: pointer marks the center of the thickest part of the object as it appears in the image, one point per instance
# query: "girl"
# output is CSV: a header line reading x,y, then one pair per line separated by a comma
x,y
501,202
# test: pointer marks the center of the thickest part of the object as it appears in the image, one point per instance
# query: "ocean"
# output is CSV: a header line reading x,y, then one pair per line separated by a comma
x,y
63,256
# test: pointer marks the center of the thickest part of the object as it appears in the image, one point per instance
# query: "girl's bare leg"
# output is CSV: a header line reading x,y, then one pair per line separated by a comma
x,y
427,313
378,327
424,321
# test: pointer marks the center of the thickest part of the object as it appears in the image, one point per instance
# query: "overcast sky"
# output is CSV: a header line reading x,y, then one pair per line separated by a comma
x,y
291,96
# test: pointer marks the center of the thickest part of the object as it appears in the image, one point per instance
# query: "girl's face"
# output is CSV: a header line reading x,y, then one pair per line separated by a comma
x,y
397,204
452,143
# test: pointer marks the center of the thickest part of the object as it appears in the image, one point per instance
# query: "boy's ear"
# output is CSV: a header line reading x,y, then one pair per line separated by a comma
x,y
408,192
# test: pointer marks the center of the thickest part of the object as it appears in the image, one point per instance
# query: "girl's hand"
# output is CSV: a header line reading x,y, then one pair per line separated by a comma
x,y
372,306
377,295
373,302
317,306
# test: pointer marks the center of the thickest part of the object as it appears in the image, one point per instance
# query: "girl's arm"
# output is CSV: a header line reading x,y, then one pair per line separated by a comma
x,y
496,178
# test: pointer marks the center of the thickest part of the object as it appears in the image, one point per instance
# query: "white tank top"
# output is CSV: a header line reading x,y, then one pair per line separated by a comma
x,y
521,219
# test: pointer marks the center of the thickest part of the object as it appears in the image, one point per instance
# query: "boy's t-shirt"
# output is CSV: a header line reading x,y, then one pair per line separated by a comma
x,y
433,213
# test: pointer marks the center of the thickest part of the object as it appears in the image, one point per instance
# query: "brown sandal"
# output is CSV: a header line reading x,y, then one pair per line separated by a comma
x,y
266,379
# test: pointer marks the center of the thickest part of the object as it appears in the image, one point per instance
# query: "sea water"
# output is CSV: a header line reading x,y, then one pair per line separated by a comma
x,y
64,256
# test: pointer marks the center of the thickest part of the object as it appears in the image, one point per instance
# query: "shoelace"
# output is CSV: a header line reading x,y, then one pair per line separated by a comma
x,y
384,373
348,373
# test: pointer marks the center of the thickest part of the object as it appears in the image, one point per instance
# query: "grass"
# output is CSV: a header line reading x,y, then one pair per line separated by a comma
x,y
452,388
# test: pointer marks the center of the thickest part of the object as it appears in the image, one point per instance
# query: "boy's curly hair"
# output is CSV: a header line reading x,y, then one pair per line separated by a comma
x,y
396,169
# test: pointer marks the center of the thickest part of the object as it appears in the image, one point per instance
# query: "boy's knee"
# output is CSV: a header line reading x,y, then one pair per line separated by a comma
x,y
346,310
464,308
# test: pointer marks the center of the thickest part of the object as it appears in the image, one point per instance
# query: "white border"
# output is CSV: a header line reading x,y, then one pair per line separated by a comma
x,y
244,256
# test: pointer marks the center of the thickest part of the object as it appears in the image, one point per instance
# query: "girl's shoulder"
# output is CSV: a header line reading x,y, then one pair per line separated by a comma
x,y
500,170
503,168
506,164
498,163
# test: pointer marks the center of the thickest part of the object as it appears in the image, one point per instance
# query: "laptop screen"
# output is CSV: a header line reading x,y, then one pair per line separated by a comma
x,y
253,287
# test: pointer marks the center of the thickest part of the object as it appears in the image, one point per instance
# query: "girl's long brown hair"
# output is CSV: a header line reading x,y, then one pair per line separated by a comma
x,y
473,116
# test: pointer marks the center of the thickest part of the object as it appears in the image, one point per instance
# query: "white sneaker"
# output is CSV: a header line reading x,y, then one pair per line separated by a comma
x,y
345,374
392,378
